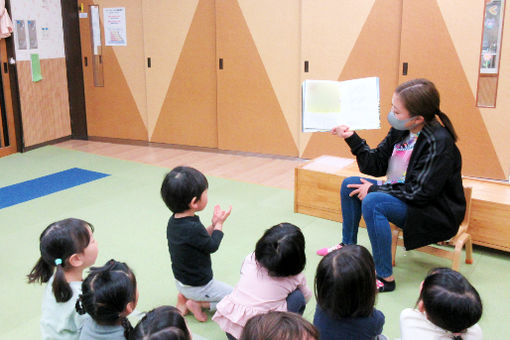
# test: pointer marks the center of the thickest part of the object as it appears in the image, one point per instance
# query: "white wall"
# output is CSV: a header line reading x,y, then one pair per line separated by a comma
x,y
47,14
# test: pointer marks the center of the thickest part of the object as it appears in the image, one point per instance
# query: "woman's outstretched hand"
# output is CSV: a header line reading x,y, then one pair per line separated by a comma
x,y
360,189
342,131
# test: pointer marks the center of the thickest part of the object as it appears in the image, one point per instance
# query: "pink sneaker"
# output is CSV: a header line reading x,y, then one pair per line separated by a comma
x,y
378,284
326,251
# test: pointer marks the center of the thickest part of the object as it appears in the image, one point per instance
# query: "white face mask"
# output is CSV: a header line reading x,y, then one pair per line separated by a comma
x,y
399,124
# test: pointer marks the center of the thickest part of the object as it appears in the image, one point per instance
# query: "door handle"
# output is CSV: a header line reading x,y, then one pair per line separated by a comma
x,y
404,69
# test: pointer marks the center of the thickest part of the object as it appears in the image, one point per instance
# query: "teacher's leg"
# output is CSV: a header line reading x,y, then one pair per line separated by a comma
x,y
351,210
378,210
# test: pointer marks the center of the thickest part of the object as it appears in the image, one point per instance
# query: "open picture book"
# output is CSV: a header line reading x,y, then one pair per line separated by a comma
x,y
329,103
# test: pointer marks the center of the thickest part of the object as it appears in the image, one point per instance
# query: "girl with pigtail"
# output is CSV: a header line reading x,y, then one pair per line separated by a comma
x,y
67,248
109,295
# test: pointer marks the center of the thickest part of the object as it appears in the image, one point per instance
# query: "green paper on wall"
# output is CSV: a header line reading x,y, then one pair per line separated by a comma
x,y
36,67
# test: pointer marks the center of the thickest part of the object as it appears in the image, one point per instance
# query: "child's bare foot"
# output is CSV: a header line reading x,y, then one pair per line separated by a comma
x,y
181,304
196,308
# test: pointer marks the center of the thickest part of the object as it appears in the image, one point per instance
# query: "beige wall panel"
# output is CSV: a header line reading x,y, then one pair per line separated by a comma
x,y
466,32
250,117
329,30
463,21
174,19
111,110
276,34
188,113
375,53
131,58
428,48
44,104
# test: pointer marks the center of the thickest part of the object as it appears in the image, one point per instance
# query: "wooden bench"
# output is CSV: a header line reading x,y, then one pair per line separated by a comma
x,y
317,193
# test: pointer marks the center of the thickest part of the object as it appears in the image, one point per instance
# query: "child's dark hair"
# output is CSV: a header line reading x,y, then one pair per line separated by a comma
x,y
106,292
59,241
450,301
180,186
279,326
162,323
345,282
281,250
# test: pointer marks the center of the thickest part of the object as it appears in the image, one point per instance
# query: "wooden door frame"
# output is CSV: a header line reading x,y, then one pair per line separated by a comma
x,y
13,79
76,91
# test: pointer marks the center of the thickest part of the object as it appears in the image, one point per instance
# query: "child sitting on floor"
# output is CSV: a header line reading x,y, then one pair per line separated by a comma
x,y
184,191
165,322
345,289
109,295
448,308
279,326
67,248
271,280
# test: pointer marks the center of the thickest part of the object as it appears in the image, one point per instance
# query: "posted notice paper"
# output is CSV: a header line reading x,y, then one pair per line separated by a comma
x,y
329,103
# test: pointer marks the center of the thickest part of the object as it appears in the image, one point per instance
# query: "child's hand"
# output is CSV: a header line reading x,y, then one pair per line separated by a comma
x,y
219,216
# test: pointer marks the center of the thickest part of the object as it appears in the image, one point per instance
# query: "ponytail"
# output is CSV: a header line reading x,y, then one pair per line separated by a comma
x,y
128,329
61,288
58,242
447,124
41,272
79,305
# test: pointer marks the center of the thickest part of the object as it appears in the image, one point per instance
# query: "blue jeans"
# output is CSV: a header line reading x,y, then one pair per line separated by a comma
x,y
296,302
378,210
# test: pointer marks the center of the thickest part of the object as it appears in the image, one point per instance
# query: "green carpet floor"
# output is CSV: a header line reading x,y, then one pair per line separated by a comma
x,y
130,222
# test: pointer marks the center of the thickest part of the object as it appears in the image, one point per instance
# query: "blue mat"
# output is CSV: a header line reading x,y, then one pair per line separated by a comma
x,y
42,186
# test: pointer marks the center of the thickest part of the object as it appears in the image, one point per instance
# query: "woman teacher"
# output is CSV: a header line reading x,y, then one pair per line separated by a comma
x,y
422,193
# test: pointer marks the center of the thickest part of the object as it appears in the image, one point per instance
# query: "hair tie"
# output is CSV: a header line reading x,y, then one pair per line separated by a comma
x,y
58,261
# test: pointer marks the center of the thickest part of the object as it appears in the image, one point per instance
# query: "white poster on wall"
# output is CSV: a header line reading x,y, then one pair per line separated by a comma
x,y
115,26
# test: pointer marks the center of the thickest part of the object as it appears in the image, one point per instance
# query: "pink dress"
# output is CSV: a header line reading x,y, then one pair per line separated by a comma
x,y
256,293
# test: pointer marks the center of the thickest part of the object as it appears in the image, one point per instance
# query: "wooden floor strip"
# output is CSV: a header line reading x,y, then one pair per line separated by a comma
x,y
259,169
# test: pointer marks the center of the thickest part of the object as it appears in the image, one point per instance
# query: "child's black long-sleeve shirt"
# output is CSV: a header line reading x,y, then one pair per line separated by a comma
x,y
190,247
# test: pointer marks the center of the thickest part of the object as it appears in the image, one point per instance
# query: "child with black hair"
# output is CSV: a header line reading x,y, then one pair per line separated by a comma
x,y
449,307
162,323
184,191
67,248
345,290
279,326
272,279
109,295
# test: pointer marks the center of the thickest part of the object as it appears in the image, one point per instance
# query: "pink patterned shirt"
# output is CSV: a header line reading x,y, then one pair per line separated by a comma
x,y
397,168
256,293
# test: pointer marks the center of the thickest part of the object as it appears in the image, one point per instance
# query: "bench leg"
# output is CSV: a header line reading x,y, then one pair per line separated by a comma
x,y
469,249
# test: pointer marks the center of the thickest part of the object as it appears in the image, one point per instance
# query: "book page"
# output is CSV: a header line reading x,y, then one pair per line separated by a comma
x,y
328,103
